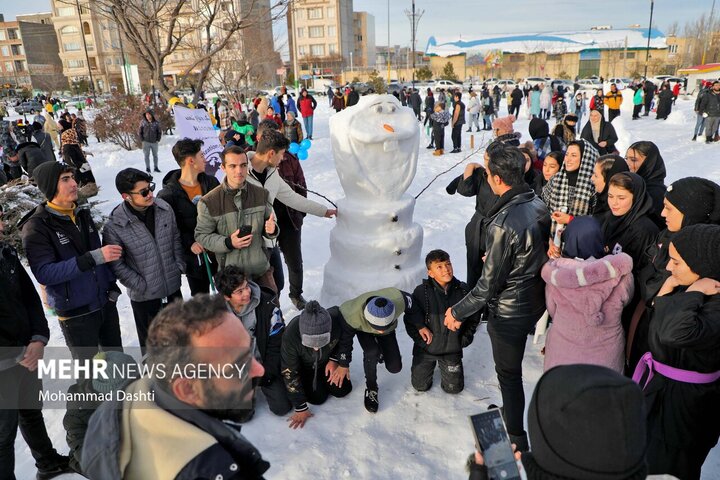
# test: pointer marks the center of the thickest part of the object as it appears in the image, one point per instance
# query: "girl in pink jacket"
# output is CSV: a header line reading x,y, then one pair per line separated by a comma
x,y
585,294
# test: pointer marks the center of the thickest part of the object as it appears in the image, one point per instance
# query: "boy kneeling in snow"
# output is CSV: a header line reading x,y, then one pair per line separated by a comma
x,y
373,317
424,322
309,353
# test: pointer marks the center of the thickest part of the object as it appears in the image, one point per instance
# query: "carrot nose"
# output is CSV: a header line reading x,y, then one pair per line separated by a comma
x,y
389,128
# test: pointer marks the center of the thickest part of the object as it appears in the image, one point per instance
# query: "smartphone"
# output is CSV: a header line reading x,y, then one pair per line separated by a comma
x,y
245,230
492,439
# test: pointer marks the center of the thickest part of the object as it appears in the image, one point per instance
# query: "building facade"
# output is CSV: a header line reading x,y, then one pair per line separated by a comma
x,y
364,54
29,54
322,36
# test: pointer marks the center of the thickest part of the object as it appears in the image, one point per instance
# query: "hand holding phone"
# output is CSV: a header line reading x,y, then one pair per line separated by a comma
x,y
492,439
245,230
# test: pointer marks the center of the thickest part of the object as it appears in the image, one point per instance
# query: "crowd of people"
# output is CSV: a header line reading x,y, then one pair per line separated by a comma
x,y
627,269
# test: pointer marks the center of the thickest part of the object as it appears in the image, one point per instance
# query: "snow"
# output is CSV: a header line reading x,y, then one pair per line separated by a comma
x,y
414,435
375,145
549,42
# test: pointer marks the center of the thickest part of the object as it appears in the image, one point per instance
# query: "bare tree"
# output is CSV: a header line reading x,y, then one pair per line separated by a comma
x,y
155,29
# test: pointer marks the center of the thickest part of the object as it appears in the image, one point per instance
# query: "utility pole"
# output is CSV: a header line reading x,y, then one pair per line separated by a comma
x,y
414,18
710,24
388,45
87,57
647,51
294,45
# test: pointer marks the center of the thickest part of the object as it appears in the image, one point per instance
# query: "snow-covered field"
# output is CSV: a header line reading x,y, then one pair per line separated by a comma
x,y
414,435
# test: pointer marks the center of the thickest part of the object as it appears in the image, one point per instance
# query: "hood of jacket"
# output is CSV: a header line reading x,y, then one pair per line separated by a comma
x,y
585,285
254,300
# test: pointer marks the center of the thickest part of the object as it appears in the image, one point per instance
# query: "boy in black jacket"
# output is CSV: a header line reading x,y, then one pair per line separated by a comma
x,y
433,342
309,357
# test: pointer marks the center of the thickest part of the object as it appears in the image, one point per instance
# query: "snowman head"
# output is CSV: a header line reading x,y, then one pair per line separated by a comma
x,y
375,145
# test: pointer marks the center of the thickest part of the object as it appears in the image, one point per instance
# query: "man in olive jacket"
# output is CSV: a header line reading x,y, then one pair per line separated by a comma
x,y
233,219
373,318
510,285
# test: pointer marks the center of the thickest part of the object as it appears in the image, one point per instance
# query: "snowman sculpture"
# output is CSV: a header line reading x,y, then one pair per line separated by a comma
x,y
375,243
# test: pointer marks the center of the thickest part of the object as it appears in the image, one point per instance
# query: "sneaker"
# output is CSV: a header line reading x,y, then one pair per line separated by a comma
x,y
371,400
468,130
298,301
157,170
431,146
455,150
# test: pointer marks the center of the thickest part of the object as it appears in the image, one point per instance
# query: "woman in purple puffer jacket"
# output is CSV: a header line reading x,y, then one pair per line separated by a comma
x,y
585,294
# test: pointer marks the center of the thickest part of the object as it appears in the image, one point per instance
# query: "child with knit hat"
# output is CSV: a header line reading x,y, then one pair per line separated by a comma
x,y
680,374
504,131
309,357
373,318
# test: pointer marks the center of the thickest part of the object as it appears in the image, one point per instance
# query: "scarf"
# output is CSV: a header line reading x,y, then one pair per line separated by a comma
x,y
614,227
556,193
599,202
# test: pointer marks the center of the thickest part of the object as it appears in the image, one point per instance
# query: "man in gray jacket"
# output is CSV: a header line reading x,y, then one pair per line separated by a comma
x,y
152,262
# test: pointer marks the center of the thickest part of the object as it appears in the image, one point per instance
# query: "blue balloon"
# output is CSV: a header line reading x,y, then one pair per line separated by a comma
x,y
294,148
303,154
306,144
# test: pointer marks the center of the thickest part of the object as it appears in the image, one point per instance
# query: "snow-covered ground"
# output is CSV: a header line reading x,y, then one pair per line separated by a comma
x,y
414,435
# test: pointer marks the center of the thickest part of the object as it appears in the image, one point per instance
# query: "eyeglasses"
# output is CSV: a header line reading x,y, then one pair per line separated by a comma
x,y
145,191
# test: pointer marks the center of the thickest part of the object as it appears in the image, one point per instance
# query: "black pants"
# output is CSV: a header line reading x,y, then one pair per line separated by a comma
x,y
636,110
452,377
456,136
439,137
198,285
319,394
277,271
514,110
290,242
20,386
144,312
373,346
612,113
85,333
647,106
276,396
508,348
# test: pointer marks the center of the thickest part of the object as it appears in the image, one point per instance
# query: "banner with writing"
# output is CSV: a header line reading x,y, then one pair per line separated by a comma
x,y
195,123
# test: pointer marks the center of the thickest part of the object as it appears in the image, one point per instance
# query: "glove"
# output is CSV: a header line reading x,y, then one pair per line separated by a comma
x,y
705,115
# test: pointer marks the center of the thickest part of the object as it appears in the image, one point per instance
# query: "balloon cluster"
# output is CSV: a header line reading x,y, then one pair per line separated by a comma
x,y
300,149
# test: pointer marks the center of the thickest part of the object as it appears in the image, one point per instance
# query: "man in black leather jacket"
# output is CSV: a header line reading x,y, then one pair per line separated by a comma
x,y
510,286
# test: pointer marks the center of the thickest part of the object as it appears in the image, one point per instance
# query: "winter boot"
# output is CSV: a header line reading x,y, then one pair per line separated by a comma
x,y
371,400
439,152
431,146
694,138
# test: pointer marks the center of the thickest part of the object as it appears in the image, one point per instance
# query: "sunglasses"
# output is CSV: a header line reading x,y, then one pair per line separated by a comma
x,y
145,191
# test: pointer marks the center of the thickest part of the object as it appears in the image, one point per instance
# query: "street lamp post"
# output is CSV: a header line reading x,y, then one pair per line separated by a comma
x,y
87,57
647,51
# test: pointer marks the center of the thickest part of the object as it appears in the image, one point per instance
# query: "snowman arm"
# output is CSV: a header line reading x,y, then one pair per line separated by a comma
x,y
292,199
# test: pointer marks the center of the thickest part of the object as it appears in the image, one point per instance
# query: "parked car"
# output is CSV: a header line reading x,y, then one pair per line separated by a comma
x,y
589,84
532,81
506,85
362,88
394,86
446,84
567,84
26,107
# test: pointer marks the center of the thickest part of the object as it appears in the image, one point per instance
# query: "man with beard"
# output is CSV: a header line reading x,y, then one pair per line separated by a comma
x,y
176,424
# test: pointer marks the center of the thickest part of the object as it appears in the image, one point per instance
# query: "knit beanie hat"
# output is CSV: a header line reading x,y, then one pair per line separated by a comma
x,y
121,369
504,123
47,175
587,421
697,198
380,312
699,246
315,325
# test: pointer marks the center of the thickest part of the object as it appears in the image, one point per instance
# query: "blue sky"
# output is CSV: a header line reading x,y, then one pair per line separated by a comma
x,y
467,17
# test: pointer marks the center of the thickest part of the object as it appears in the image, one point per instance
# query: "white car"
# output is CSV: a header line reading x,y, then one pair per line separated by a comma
x,y
447,84
506,85
620,83
589,84
532,81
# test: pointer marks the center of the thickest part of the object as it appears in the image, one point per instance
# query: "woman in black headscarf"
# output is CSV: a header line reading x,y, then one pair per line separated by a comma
x,y
644,159
627,227
605,167
600,134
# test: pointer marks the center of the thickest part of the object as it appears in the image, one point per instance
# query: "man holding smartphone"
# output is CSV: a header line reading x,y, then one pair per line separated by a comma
x,y
224,211
510,284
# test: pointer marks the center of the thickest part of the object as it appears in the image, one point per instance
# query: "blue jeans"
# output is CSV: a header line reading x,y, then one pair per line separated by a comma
x,y
699,124
147,148
308,121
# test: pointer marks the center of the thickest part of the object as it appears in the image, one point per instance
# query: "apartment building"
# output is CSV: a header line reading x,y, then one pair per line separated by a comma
x,y
321,35
28,54
364,39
